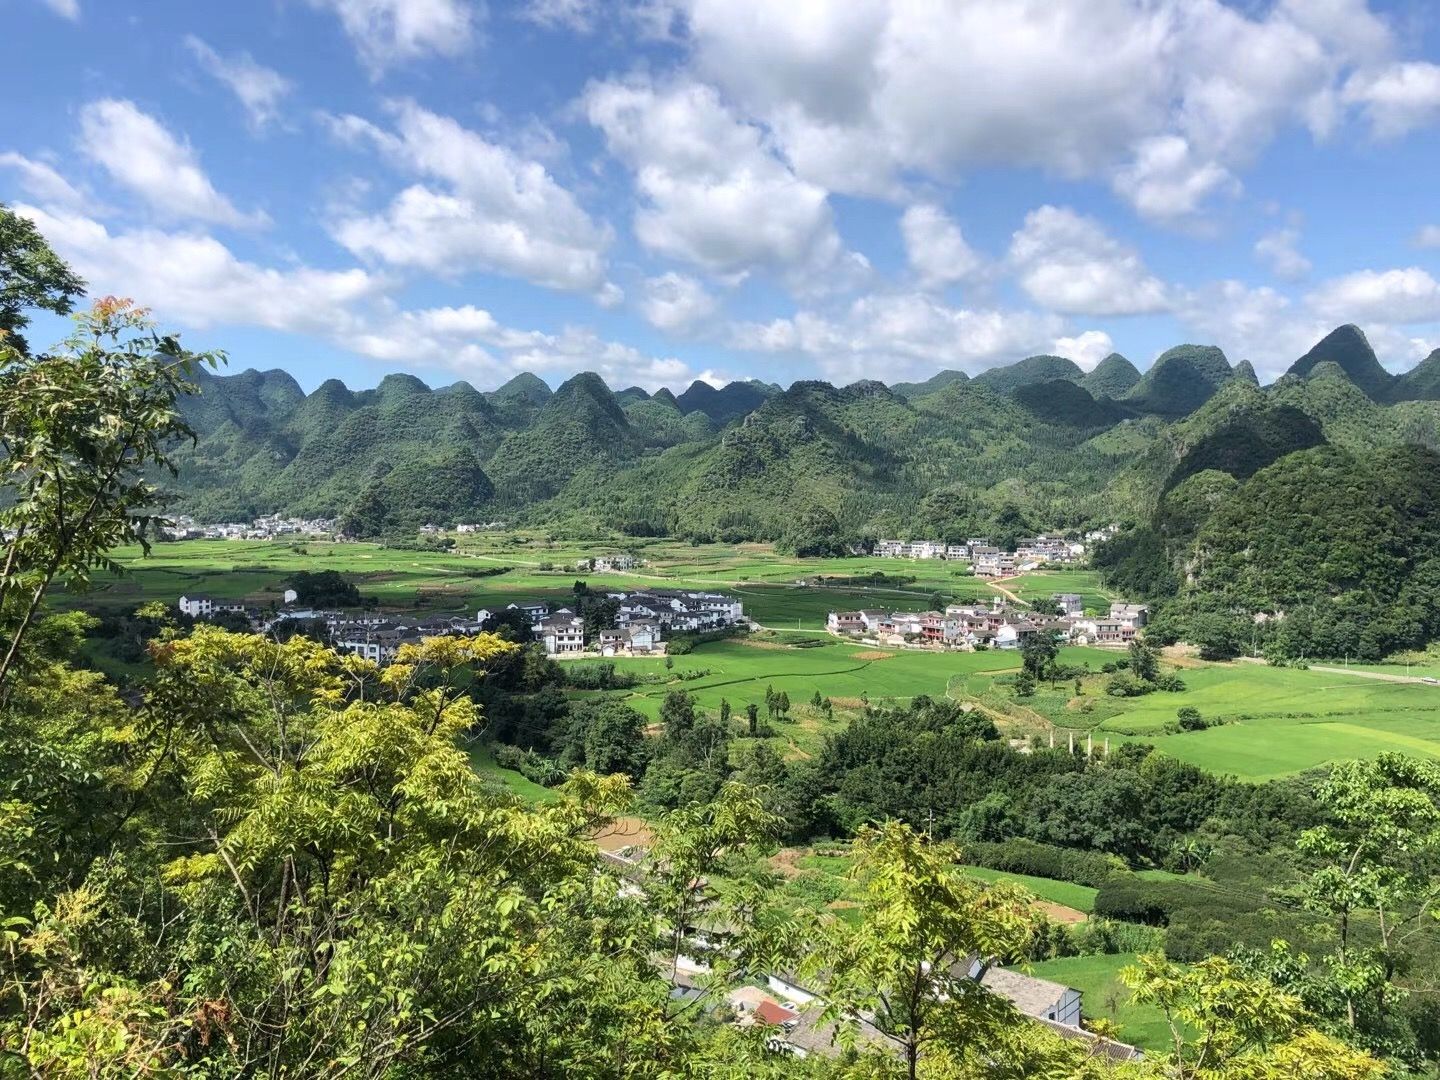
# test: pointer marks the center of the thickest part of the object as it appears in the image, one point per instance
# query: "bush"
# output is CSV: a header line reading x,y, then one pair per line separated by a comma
x,y
681,644
1090,868
1190,719
600,675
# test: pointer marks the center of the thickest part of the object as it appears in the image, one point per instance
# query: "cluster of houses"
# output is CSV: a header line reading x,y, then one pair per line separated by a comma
x,y
605,564
996,625
987,559
642,621
792,1010
268,527
371,635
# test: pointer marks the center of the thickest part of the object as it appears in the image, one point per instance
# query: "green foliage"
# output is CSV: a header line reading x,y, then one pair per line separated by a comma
x,y
323,588
31,276
81,429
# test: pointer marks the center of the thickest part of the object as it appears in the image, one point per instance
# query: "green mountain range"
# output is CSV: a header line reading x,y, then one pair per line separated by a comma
x,y
1039,444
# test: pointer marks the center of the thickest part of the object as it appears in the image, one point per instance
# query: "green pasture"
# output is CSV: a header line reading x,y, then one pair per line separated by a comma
x,y
1079,897
254,571
1043,584
740,672
1283,720
528,790
1103,996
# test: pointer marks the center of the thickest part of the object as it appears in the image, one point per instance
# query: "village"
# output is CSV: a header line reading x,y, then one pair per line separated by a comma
x,y
996,625
643,621
990,561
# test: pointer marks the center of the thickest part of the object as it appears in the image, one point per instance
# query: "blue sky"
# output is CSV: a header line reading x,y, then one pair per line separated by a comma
x,y
664,190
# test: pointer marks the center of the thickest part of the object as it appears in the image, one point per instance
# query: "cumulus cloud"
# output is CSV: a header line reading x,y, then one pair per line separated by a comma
x,y
936,247
1397,98
676,301
712,194
194,279
1278,251
41,182
474,344
897,335
495,210
1165,182
1187,92
1087,349
386,32
1068,263
142,156
259,89
1393,296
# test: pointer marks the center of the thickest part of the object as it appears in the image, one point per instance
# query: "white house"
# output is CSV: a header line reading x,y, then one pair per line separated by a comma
x,y
197,607
1130,616
563,633
289,596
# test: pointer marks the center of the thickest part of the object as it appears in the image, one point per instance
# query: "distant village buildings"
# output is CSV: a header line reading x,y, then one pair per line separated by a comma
x,y
996,625
991,561
268,527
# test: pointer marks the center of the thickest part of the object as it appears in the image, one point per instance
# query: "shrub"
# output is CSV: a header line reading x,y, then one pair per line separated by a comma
x,y
1090,868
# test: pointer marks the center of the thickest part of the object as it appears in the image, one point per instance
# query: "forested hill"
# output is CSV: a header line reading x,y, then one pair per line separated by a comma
x,y
1039,444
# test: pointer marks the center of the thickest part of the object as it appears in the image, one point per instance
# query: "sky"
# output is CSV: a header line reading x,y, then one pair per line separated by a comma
x,y
666,190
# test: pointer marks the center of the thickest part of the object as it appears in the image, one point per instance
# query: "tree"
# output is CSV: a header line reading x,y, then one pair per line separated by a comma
x,y
1189,718
1377,857
782,703
752,718
1144,661
905,963
724,711
324,588
1038,654
31,276
615,741
1224,1024
81,432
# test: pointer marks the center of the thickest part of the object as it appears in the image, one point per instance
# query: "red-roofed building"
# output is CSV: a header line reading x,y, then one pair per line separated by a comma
x,y
774,1015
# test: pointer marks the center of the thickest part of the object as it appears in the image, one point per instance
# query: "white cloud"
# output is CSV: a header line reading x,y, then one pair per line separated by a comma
x,y
894,336
1398,97
386,32
676,301
712,194
473,343
1166,99
1428,236
66,9
499,211
1164,182
41,182
141,155
194,279
1068,263
1393,296
1087,349
936,247
1258,324
259,89
1277,250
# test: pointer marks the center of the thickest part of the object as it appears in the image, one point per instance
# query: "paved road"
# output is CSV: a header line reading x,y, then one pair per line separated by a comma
x,y
1381,675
